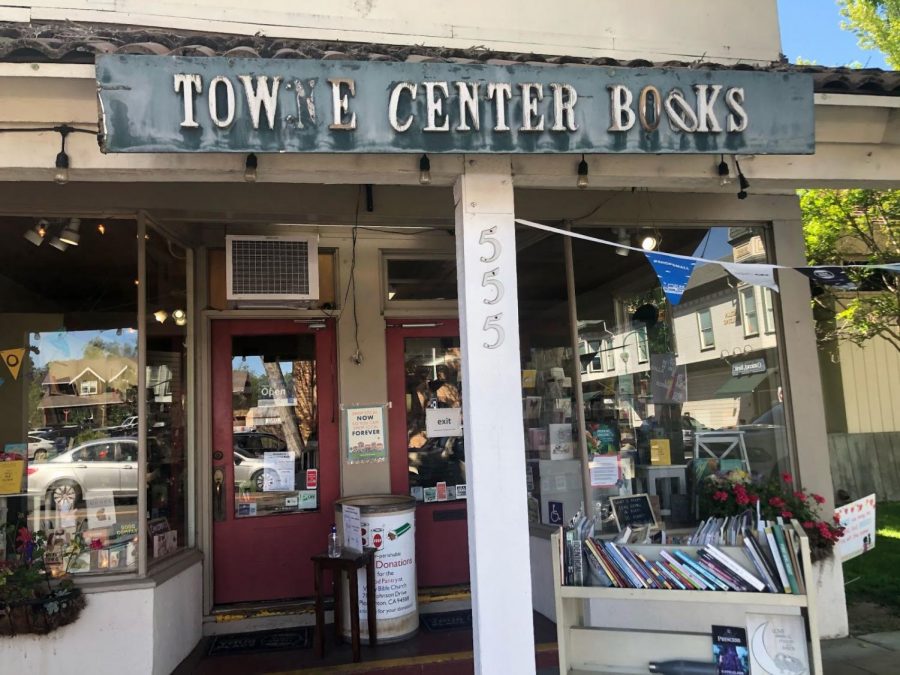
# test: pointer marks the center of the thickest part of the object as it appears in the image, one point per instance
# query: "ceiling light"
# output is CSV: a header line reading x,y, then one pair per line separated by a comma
x,y
101,228
58,244
424,170
624,240
180,317
250,166
36,234
70,234
649,240
582,181
161,315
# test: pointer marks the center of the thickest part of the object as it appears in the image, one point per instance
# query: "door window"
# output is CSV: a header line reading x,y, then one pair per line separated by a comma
x,y
435,448
274,425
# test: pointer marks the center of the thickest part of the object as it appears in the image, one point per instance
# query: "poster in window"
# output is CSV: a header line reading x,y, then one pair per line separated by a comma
x,y
365,433
668,381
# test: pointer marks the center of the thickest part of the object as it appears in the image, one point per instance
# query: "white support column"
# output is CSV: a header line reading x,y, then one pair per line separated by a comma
x,y
495,453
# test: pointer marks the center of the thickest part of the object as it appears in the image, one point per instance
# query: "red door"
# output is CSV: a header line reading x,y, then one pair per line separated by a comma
x,y
275,456
425,390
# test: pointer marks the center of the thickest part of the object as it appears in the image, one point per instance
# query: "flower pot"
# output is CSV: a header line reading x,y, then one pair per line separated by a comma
x,y
39,616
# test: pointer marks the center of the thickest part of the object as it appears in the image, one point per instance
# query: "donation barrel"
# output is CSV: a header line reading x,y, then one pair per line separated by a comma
x,y
388,524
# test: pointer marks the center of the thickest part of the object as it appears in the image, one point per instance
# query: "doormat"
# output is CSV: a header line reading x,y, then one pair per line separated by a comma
x,y
460,619
262,641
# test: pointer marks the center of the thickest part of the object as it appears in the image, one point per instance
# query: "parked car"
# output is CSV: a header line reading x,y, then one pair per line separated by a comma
x,y
249,457
107,466
40,448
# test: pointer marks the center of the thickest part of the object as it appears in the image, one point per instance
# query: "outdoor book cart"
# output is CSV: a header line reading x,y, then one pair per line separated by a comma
x,y
633,627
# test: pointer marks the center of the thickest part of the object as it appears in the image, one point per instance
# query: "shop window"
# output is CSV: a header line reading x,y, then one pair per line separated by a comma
x,y
69,332
166,329
420,279
669,381
749,315
705,327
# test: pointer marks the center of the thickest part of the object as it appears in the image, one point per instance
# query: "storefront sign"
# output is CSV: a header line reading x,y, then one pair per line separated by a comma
x,y
858,520
191,104
748,367
365,433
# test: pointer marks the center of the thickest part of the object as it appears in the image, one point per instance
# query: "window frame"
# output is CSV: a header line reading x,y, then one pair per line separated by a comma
x,y
84,390
743,293
768,301
704,346
399,307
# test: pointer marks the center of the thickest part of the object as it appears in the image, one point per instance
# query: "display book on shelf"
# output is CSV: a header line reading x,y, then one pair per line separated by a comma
x,y
698,574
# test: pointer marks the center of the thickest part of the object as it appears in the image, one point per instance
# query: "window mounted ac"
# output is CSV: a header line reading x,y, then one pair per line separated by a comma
x,y
281,270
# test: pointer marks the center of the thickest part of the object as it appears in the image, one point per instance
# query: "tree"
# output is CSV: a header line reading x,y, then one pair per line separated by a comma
x,y
853,227
876,24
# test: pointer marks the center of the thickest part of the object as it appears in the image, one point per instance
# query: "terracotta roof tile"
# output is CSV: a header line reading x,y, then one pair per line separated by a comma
x,y
72,42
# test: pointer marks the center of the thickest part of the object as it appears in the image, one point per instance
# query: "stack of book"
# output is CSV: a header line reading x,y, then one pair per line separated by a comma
x,y
774,555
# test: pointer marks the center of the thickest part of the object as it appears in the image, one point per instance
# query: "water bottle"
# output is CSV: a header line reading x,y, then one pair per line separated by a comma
x,y
334,546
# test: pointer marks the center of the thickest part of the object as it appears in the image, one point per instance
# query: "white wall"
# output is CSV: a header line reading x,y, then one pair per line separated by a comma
x,y
713,30
143,631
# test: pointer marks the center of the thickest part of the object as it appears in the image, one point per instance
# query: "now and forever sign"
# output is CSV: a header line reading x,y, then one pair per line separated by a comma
x,y
199,104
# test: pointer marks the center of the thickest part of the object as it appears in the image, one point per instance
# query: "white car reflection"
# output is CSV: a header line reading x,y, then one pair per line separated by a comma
x,y
106,466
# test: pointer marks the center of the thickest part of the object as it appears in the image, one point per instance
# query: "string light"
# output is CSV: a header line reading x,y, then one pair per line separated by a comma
x,y
742,181
724,174
582,181
250,166
424,170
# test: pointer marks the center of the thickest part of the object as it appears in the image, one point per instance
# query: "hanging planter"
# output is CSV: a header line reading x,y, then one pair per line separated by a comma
x,y
40,616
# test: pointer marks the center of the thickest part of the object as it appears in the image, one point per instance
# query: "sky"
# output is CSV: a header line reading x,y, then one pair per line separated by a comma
x,y
811,29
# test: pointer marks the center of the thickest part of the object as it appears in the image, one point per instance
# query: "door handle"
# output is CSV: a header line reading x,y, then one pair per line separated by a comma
x,y
218,494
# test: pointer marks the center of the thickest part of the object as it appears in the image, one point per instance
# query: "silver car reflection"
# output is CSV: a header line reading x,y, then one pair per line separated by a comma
x,y
107,466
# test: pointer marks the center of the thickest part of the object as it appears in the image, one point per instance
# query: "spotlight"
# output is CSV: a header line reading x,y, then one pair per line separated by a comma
x,y
36,234
161,315
650,240
250,168
424,170
724,175
624,240
180,317
61,175
101,228
70,234
582,181
742,181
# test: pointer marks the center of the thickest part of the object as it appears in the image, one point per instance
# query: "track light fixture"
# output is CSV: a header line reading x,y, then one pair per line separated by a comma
x,y
70,234
742,181
61,175
250,166
58,244
180,317
424,170
36,234
161,315
582,181
650,240
101,228
724,174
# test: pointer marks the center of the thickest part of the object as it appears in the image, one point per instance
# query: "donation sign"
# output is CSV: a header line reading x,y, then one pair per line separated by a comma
x,y
393,536
365,433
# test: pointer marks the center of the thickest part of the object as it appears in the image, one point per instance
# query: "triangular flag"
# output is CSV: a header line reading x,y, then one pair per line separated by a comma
x,y
754,274
673,273
13,360
829,276
891,267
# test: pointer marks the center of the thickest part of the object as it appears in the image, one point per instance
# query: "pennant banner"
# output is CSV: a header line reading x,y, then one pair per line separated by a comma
x,y
673,273
830,276
754,274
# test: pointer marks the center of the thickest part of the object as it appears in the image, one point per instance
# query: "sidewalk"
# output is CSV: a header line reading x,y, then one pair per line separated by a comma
x,y
872,654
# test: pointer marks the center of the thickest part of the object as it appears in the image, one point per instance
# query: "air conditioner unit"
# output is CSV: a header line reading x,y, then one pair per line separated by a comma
x,y
272,270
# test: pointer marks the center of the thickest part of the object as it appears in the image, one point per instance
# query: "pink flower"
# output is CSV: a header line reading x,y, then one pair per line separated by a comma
x,y
819,499
787,514
754,499
777,502
799,494
742,498
787,478
720,496
808,524
836,518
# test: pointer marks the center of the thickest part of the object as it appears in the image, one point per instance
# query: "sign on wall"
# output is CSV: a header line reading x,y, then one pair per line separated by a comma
x,y
200,104
365,433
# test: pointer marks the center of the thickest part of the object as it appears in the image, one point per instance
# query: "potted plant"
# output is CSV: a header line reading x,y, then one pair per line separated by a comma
x,y
730,493
37,595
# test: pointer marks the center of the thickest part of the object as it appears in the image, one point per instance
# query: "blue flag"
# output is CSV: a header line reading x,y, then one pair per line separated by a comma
x,y
829,276
673,274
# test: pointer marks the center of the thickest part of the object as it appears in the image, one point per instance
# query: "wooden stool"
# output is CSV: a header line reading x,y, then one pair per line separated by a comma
x,y
349,562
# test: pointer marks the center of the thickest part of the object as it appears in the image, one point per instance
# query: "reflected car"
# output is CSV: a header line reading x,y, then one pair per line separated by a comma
x,y
249,453
40,448
106,466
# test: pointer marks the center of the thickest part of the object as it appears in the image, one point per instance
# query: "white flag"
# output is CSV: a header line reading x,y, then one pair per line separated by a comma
x,y
753,273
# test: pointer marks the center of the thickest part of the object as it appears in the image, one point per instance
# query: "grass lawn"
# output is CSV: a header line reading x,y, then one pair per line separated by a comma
x,y
875,576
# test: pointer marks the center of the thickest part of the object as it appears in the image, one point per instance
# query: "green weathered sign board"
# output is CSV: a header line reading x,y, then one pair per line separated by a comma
x,y
198,104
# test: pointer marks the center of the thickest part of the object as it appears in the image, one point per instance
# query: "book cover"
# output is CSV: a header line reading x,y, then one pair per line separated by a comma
x,y
730,652
761,557
760,566
711,580
793,546
735,567
777,644
776,557
785,558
